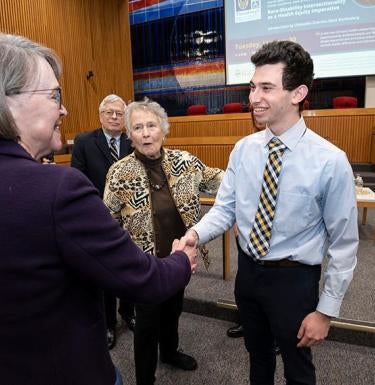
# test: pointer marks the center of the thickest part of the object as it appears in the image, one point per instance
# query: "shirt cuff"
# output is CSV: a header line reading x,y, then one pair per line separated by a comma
x,y
329,306
202,238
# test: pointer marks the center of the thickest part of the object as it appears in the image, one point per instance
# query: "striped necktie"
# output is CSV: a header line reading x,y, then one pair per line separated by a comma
x,y
113,149
260,234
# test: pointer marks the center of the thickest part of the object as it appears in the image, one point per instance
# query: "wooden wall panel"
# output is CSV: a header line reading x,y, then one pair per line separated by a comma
x,y
87,35
212,137
213,151
211,125
351,134
214,155
351,130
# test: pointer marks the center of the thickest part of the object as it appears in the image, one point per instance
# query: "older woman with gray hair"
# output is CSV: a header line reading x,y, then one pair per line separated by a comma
x,y
59,243
154,193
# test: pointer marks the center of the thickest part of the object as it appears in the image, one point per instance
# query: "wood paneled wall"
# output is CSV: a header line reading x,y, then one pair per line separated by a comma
x,y
372,159
88,35
350,129
236,124
212,137
212,150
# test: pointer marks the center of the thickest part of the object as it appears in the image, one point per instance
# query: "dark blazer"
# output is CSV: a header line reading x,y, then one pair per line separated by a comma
x,y
58,244
91,155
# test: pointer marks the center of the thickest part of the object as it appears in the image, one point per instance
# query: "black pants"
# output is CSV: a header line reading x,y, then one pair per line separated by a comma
x,y
126,309
155,324
272,303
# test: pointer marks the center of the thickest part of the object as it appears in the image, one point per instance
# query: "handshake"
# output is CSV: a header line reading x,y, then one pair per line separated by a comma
x,y
189,245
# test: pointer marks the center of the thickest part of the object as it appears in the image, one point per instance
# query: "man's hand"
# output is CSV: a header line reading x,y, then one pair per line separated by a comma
x,y
313,330
192,238
190,250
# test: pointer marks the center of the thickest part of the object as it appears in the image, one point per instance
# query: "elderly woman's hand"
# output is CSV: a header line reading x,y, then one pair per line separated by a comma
x,y
189,249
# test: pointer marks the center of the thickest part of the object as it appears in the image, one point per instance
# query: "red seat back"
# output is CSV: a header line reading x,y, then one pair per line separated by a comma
x,y
344,102
197,109
232,107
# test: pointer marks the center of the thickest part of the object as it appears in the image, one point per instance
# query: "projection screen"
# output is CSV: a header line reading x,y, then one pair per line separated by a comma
x,y
339,34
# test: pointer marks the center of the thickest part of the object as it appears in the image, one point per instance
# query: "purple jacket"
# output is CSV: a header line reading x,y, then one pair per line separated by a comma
x,y
59,245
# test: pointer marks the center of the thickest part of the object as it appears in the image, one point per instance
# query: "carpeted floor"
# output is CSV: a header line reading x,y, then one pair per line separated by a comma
x,y
224,361
358,304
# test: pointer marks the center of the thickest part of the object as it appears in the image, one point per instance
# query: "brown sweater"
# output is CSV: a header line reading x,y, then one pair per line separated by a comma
x,y
168,224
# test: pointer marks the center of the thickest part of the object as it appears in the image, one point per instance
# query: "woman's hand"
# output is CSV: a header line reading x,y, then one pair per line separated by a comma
x,y
188,248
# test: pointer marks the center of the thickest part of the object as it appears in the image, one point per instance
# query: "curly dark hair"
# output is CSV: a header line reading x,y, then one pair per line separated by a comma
x,y
299,67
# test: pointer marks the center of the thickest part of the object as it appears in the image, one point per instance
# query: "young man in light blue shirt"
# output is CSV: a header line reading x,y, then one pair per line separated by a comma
x,y
314,216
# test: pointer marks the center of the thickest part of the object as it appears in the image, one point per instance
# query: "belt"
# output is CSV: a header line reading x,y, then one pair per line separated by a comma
x,y
280,263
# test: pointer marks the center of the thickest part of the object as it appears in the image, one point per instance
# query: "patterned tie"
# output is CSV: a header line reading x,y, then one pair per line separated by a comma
x,y
260,234
113,149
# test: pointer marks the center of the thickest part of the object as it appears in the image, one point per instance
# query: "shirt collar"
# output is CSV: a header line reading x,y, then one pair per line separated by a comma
x,y
290,137
109,137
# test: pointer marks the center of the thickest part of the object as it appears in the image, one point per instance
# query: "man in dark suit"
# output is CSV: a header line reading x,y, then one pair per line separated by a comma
x,y
93,154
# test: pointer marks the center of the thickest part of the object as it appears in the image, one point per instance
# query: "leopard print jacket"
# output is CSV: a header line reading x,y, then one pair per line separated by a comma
x,y
127,192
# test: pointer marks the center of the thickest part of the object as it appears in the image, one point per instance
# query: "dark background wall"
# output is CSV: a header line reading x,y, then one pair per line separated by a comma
x,y
192,41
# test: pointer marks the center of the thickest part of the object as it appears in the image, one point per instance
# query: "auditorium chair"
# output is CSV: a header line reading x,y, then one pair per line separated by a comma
x,y
197,109
232,107
306,105
344,102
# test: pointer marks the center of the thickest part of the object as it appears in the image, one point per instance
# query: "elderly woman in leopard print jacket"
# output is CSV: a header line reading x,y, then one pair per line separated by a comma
x,y
154,193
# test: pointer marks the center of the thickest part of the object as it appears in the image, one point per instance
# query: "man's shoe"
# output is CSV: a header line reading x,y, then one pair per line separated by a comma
x,y
130,322
235,331
181,360
111,338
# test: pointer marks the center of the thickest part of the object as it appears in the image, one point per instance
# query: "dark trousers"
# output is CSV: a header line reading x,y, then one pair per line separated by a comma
x,y
272,303
126,309
155,324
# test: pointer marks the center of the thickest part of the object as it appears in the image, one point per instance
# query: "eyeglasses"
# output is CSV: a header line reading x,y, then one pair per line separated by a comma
x,y
110,113
56,96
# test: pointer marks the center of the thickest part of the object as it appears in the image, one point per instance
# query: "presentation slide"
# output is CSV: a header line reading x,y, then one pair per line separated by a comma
x,y
339,34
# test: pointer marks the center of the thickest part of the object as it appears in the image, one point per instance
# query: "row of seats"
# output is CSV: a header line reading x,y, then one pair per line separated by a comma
x,y
337,102
201,109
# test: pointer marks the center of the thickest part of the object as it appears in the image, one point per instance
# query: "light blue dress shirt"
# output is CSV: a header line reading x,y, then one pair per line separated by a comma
x,y
108,137
316,211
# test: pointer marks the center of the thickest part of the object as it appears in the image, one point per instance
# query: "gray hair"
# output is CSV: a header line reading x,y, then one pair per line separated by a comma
x,y
147,105
110,99
18,68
